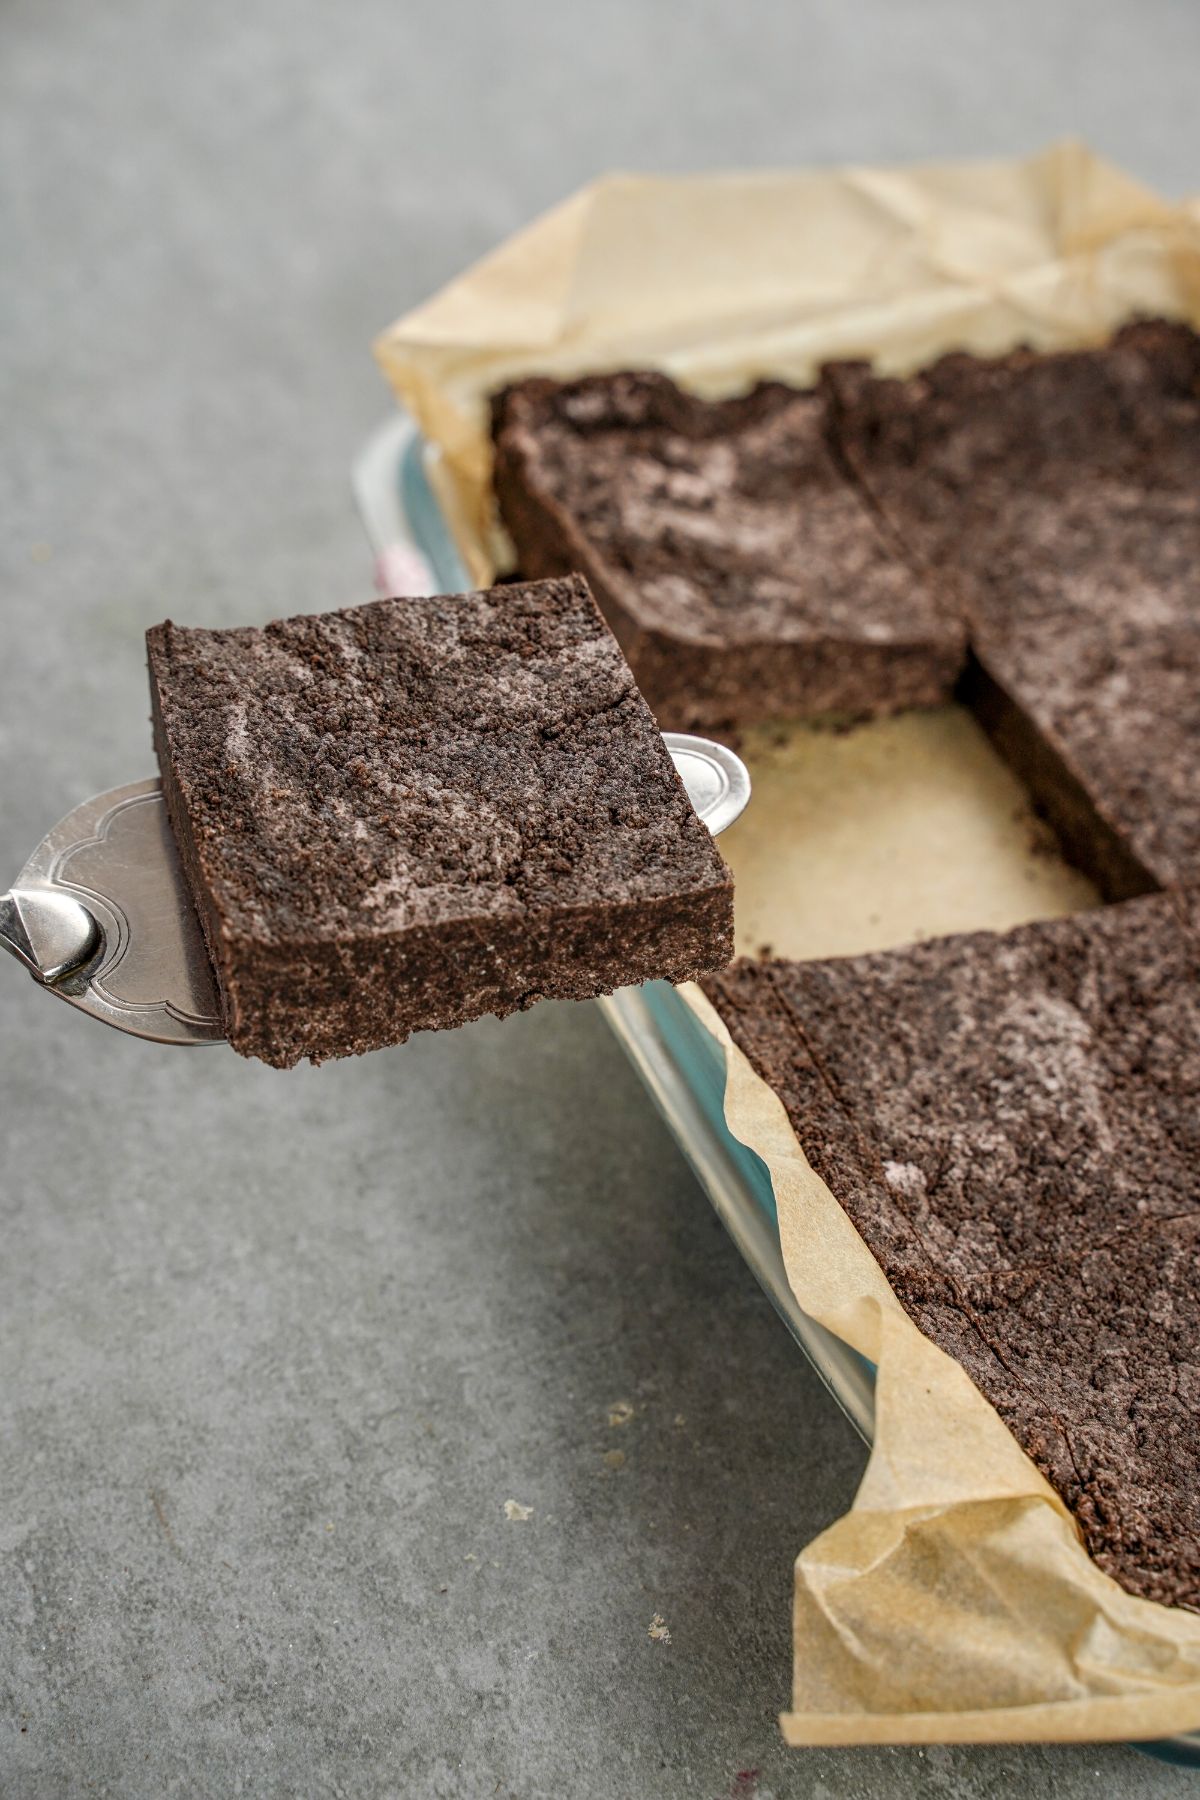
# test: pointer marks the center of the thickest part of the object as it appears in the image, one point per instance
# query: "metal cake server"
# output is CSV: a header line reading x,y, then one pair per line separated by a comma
x,y
101,915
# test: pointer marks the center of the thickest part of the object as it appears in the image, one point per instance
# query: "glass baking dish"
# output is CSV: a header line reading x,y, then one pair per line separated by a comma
x,y
680,1063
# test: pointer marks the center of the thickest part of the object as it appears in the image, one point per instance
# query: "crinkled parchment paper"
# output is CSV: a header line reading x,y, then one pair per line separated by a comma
x,y
722,279
954,1602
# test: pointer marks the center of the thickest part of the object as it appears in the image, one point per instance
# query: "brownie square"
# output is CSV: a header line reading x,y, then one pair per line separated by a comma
x,y
408,814
742,572
1058,500
1011,1123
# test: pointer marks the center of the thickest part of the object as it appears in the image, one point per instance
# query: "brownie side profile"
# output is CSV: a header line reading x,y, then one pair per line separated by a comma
x,y
1011,1123
741,572
405,815
1058,499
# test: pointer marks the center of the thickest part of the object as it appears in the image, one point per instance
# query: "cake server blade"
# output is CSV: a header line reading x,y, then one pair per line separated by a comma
x,y
101,915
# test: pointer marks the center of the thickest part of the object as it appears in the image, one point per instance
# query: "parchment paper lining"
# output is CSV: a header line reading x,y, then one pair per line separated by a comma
x,y
954,1602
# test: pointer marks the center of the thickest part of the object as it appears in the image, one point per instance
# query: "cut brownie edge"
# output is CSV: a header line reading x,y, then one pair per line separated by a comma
x,y
1089,841
440,977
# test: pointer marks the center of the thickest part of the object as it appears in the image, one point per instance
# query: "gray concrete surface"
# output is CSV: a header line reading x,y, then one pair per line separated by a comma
x,y
275,1350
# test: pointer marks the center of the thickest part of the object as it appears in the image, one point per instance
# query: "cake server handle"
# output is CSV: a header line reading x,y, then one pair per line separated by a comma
x,y
49,931
101,916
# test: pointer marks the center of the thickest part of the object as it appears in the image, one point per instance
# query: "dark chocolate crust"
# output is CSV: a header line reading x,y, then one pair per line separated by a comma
x,y
408,814
1010,1121
1056,499
741,572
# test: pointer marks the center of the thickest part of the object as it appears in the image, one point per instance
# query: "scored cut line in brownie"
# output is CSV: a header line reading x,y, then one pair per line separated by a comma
x,y
407,814
1011,1123
740,570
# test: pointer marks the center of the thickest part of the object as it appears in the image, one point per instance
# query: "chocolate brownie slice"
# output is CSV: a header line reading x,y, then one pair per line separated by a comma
x,y
742,573
1011,1122
1059,498
411,813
